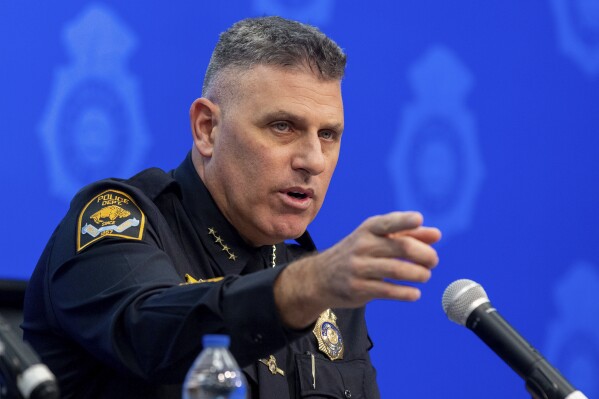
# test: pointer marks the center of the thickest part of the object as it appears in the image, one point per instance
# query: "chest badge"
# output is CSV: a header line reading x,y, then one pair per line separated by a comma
x,y
328,336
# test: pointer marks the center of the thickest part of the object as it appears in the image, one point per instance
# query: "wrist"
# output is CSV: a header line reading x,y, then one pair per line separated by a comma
x,y
296,294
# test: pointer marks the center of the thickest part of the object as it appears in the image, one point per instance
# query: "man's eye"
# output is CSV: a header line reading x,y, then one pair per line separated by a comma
x,y
327,135
281,126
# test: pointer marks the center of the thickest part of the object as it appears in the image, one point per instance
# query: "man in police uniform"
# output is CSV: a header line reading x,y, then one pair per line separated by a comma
x,y
140,269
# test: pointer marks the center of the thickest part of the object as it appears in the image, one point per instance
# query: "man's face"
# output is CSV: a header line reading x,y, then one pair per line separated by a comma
x,y
275,147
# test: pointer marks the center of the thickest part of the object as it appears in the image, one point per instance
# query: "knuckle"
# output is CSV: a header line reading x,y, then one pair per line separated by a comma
x,y
353,266
412,272
371,221
399,272
388,291
404,246
352,287
362,241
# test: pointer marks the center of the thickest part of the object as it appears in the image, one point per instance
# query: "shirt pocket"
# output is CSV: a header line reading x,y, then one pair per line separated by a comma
x,y
343,379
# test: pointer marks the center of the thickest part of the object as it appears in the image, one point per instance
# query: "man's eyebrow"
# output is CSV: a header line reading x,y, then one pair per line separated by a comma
x,y
282,115
297,119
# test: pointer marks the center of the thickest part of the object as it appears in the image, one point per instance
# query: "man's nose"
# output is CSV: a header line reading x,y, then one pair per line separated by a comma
x,y
309,155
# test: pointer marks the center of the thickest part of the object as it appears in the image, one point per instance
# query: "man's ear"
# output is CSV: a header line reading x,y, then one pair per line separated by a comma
x,y
204,117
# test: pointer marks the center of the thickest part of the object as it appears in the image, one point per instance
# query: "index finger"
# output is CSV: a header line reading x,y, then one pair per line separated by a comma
x,y
393,222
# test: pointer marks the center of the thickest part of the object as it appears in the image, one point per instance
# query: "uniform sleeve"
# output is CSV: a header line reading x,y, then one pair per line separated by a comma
x,y
123,301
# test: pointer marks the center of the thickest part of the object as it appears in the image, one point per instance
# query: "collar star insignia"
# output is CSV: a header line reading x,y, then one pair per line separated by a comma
x,y
219,241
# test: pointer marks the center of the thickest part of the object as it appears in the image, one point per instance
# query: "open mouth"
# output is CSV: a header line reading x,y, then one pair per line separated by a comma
x,y
297,198
297,195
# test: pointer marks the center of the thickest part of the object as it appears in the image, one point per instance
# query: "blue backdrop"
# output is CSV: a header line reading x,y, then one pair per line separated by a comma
x,y
482,115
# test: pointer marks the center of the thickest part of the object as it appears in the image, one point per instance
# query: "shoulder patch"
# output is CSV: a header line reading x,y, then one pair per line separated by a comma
x,y
109,214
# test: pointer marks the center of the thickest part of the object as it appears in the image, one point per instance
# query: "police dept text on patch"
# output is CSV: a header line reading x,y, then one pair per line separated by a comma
x,y
109,214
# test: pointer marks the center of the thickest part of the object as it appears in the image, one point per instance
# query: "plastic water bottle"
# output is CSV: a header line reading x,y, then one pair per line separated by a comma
x,y
215,373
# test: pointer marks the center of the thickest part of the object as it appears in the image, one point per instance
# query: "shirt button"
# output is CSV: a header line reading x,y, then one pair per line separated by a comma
x,y
347,393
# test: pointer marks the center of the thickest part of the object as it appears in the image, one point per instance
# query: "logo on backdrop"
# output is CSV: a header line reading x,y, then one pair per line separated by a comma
x,y
573,337
316,12
435,162
578,32
93,126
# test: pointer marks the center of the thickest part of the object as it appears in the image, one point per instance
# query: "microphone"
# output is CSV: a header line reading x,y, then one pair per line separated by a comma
x,y
20,366
466,303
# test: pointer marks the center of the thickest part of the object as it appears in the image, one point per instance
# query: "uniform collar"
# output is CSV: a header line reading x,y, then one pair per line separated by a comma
x,y
221,239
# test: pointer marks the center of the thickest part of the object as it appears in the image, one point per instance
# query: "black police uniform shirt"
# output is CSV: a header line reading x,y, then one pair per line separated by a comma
x,y
140,269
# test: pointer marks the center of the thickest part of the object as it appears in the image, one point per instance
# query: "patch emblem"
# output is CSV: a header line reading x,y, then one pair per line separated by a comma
x,y
329,338
109,214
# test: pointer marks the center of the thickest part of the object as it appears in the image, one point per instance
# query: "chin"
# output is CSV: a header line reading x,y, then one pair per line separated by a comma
x,y
290,232
284,227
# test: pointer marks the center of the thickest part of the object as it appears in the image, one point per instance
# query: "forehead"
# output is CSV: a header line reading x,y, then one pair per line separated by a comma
x,y
266,88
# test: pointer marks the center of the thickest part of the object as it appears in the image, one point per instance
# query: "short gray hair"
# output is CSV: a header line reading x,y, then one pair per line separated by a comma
x,y
278,42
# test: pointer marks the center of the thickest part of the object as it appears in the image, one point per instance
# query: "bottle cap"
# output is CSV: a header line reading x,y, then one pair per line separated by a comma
x,y
213,340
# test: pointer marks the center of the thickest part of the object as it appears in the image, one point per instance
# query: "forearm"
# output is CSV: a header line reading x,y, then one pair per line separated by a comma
x,y
298,295
133,295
